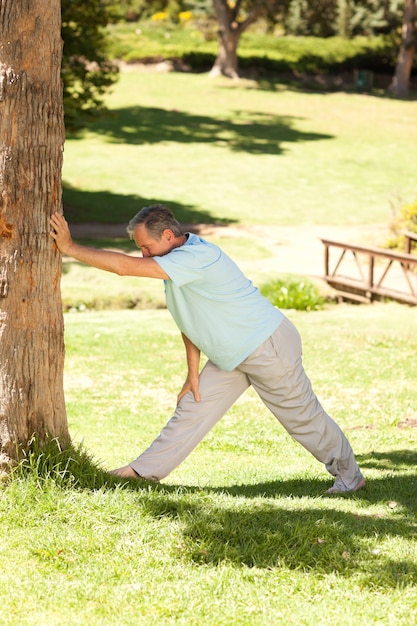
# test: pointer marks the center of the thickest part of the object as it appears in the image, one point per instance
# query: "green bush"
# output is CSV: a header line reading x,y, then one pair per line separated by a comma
x,y
407,217
404,219
264,53
293,293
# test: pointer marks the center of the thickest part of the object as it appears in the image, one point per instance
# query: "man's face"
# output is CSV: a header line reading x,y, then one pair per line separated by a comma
x,y
153,247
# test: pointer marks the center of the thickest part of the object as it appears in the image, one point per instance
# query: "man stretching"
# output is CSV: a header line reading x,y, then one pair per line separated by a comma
x,y
247,340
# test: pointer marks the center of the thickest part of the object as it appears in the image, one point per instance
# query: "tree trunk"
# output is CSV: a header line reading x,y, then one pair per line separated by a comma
x,y
228,35
226,62
31,146
400,85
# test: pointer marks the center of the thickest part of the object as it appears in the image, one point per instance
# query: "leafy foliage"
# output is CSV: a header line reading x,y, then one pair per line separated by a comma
x,y
346,19
87,71
408,216
293,293
326,18
311,18
258,52
369,17
404,219
320,18
134,10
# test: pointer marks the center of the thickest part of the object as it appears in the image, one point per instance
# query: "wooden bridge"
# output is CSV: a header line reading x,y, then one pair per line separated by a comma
x,y
364,274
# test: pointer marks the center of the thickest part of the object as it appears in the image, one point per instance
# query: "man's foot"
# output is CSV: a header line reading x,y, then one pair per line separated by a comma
x,y
337,489
125,472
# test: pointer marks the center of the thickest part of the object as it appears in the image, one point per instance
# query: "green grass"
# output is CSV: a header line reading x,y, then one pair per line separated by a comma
x,y
238,154
88,288
239,533
219,151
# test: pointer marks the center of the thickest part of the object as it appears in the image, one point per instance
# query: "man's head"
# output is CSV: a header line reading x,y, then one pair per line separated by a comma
x,y
155,230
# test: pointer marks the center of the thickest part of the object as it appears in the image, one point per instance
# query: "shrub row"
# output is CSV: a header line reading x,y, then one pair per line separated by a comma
x,y
265,54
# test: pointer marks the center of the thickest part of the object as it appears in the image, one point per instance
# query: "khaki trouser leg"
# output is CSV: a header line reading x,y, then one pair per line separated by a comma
x,y
276,372
191,422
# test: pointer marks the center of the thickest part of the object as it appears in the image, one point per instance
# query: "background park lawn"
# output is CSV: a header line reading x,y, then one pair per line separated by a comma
x,y
240,533
246,153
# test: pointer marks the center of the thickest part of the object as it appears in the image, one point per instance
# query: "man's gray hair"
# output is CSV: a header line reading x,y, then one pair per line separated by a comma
x,y
156,218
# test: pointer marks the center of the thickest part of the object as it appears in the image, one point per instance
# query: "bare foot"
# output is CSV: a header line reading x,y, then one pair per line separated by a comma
x,y
334,489
125,472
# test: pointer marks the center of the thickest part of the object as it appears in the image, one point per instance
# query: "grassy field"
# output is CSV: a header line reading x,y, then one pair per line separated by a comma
x,y
238,154
240,533
220,151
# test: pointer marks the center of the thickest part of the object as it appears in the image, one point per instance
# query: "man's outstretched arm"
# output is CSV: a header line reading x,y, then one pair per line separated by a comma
x,y
116,262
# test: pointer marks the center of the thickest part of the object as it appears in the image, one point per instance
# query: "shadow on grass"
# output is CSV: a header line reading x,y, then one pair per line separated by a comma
x,y
253,133
105,207
327,84
277,524
267,534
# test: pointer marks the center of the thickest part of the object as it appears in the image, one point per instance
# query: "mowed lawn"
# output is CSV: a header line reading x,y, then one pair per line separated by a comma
x,y
217,150
240,533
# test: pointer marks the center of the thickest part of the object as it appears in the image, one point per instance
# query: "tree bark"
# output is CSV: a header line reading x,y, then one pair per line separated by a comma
x,y
400,85
228,35
31,150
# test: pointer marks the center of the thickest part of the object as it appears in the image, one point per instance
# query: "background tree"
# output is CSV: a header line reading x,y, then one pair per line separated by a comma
x,y
400,85
345,18
31,146
319,18
316,18
87,71
230,29
233,19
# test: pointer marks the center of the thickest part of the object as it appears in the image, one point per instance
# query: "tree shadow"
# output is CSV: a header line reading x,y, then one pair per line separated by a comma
x,y
249,132
394,460
253,133
272,524
268,533
400,486
106,207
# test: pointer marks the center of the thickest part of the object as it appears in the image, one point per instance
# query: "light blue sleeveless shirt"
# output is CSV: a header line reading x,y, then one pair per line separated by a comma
x,y
214,304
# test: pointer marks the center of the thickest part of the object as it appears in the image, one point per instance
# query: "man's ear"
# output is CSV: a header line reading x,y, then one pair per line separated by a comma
x,y
168,234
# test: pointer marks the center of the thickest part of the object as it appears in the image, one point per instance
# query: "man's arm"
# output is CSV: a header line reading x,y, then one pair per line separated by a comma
x,y
193,362
117,262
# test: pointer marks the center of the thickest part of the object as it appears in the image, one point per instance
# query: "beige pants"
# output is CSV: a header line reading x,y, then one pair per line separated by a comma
x,y
276,373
